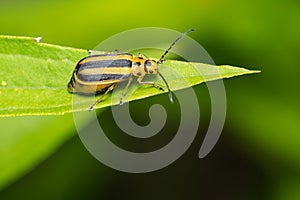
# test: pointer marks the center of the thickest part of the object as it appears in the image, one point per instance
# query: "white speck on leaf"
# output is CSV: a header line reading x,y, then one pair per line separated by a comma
x,y
3,83
37,39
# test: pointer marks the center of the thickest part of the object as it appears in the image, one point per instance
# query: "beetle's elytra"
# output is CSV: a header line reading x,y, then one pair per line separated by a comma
x,y
100,73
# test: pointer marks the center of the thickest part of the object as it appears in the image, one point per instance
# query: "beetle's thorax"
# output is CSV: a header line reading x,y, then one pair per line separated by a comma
x,y
142,66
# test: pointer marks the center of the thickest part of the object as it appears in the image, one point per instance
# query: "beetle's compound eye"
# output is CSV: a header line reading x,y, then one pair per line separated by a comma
x,y
148,64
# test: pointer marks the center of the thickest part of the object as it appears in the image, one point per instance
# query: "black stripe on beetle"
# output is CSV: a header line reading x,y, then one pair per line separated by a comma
x,y
102,77
105,63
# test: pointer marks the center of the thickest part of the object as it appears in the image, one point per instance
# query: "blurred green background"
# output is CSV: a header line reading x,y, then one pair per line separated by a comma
x,y
258,154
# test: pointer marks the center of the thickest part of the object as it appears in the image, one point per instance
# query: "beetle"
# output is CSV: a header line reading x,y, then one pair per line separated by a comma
x,y
100,73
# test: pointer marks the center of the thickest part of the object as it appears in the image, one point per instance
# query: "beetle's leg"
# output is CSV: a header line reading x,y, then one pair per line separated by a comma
x,y
125,90
150,83
140,55
100,99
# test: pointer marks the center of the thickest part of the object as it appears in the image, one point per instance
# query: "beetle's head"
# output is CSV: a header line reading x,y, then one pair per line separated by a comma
x,y
150,67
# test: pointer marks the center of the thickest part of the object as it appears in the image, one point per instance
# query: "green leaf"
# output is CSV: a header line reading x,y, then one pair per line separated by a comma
x,y
34,78
26,141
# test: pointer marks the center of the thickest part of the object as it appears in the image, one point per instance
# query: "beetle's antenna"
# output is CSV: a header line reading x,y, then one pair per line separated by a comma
x,y
175,41
170,93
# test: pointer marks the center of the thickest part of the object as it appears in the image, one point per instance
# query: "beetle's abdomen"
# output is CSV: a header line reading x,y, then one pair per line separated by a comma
x,y
95,73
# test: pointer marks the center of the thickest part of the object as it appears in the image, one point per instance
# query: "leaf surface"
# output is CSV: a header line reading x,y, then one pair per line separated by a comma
x,y
34,78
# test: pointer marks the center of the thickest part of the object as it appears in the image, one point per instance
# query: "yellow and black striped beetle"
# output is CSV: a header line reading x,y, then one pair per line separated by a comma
x,y
100,73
